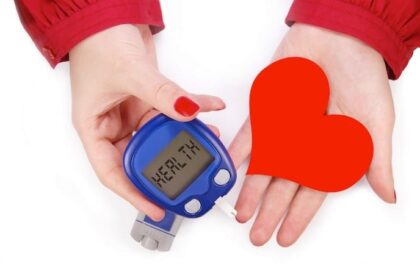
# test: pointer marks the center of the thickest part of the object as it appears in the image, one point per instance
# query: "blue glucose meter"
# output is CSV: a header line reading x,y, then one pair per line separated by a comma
x,y
181,166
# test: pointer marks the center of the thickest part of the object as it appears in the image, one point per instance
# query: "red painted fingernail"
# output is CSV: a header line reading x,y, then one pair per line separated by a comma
x,y
186,106
395,197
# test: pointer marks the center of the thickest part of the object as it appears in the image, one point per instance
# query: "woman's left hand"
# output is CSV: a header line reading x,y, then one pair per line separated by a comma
x,y
359,89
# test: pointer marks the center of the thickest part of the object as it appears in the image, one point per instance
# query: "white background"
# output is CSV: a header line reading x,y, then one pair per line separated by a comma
x,y
58,222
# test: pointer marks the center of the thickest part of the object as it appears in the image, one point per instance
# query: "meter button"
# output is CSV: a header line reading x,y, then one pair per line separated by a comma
x,y
222,177
193,206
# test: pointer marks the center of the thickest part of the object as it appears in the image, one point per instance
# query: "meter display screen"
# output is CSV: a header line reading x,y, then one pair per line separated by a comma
x,y
178,165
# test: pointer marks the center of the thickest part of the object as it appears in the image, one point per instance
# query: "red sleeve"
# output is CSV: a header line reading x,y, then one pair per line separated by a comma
x,y
56,26
391,27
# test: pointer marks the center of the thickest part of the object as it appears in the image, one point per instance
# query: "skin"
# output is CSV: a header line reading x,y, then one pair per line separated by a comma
x,y
359,89
116,88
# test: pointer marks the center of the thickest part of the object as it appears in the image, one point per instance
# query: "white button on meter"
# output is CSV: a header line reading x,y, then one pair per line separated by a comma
x,y
192,206
222,177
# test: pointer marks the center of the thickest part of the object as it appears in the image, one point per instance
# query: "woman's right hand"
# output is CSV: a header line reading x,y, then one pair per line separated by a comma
x,y
117,87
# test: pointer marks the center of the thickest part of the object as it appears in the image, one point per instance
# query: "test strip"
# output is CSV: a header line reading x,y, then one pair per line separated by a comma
x,y
226,207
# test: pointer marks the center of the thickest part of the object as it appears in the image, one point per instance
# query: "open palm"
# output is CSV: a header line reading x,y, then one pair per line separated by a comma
x,y
359,89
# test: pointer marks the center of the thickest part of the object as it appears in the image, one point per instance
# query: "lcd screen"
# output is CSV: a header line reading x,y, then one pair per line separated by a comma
x,y
178,165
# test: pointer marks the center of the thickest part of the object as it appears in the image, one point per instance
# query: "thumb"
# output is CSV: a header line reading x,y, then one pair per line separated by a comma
x,y
380,175
173,101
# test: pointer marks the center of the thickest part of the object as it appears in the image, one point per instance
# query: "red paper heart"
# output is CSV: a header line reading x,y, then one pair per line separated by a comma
x,y
294,139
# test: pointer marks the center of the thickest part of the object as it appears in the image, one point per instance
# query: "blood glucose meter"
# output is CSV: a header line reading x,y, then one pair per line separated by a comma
x,y
181,166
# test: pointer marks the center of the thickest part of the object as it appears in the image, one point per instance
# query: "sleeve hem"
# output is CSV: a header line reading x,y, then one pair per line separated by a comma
x,y
58,40
369,28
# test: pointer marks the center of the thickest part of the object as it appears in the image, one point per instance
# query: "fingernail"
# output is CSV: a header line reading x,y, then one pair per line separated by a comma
x,y
186,106
158,217
395,197
221,108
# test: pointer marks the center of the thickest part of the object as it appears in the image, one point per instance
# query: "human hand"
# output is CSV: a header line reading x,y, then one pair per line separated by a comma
x,y
359,88
117,87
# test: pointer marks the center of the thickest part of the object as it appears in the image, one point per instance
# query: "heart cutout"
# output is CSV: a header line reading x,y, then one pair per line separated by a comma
x,y
294,139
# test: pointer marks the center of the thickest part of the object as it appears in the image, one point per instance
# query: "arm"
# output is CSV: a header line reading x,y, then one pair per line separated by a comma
x,y
116,83
57,26
390,27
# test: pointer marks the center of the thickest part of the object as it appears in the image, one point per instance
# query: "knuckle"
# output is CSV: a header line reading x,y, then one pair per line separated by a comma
x,y
165,90
76,123
104,181
109,177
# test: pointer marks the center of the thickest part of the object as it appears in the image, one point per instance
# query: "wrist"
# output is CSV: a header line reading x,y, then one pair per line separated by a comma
x,y
112,37
328,43
325,46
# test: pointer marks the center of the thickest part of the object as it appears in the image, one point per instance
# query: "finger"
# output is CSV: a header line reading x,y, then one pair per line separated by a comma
x,y
214,129
240,148
106,161
117,181
121,144
251,193
301,211
170,99
208,103
380,175
147,117
276,200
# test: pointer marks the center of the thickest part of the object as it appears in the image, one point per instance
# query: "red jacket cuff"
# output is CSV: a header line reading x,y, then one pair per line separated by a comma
x,y
56,40
356,21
